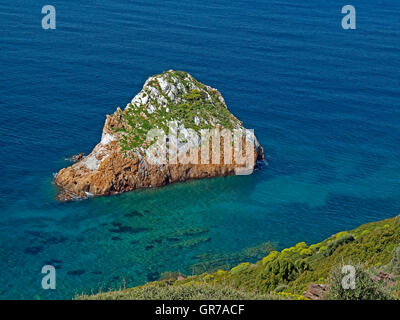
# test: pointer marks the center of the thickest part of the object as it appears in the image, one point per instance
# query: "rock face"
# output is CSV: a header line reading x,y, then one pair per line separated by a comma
x,y
388,278
77,157
315,291
179,112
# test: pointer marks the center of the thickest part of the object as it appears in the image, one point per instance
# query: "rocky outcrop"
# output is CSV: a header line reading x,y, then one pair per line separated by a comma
x,y
315,291
176,104
77,157
389,279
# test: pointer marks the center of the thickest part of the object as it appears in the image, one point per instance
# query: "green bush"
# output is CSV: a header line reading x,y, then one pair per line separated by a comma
x,y
332,246
365,287
241,267
395,263
281,287
306,252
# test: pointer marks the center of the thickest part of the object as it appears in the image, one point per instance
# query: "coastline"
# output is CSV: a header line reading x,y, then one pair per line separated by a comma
x,y
307,270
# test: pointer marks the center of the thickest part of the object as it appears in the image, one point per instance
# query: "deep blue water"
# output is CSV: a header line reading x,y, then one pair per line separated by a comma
x,y
324,103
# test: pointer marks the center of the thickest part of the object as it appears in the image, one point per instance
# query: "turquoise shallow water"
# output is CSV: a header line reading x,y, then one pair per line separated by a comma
x,y
324,103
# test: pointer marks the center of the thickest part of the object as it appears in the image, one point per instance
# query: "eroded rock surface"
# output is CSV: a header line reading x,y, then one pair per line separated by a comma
x,y
315,291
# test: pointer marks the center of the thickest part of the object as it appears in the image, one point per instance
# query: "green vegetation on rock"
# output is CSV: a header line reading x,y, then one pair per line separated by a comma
x,y
172,96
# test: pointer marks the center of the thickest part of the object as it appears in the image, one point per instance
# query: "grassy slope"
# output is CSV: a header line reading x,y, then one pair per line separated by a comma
x,y
162,291
293,268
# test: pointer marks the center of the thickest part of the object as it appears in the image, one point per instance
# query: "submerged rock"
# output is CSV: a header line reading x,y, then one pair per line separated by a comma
x,y
77,157
180,112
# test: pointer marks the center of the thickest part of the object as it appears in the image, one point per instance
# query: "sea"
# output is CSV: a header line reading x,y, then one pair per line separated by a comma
x,y
324,102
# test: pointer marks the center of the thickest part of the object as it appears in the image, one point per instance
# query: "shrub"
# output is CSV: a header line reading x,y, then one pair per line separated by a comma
x,y
285,269
365,287
301,245
323,248
272,255
306,252
301,265
365,232
281,288
290,296
395,263
332,246
240,267
220,272
342,234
